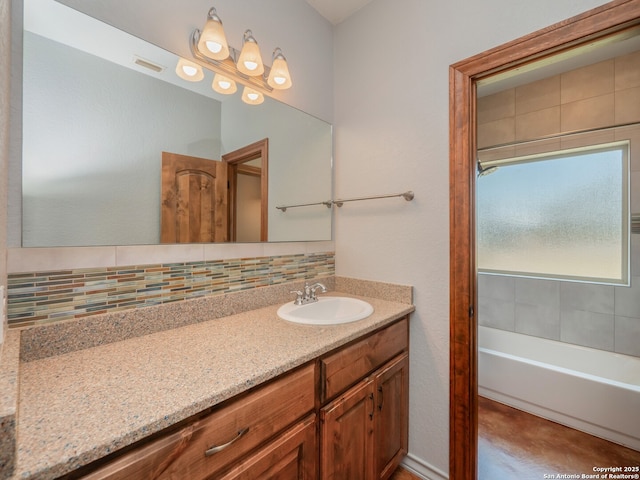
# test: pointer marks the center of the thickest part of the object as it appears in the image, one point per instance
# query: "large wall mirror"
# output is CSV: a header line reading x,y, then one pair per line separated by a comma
x,y
100,107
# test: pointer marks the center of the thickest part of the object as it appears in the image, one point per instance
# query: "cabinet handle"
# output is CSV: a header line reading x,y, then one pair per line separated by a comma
x,y
219,448
373,406
380,391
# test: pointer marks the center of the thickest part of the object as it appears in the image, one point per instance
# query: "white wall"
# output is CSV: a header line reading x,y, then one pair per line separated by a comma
x,y
392,134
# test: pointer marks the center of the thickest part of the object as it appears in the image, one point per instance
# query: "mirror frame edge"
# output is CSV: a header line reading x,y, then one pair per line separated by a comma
x,y
604,20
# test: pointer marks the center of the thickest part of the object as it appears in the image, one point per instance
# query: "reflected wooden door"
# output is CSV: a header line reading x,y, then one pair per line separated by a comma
x,y
194,200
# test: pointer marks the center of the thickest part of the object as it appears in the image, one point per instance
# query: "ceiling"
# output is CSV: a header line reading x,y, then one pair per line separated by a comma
x,y
337,10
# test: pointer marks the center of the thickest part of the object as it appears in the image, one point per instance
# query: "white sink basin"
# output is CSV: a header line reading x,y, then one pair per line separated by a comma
x,y
326,311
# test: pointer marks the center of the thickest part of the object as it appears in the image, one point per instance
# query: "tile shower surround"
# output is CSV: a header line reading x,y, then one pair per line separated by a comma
x,y
605,317
44,297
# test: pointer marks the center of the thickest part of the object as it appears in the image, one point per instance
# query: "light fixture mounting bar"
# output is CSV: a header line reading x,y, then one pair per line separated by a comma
x,y
228,66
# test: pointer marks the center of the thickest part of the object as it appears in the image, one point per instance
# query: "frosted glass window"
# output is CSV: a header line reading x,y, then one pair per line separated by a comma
x,y
560,215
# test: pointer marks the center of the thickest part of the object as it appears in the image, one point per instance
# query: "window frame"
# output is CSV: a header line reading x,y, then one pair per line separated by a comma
x,y
625,262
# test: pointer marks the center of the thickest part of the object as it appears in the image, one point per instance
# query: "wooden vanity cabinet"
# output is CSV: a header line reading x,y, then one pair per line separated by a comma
x,y
364,431
222,439
342,416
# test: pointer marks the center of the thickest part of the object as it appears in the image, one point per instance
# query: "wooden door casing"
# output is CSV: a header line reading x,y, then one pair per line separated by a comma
x,y
194,200
235,161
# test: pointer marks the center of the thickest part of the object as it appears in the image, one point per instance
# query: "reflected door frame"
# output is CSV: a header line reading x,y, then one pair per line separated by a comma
x,y
234,160
604,21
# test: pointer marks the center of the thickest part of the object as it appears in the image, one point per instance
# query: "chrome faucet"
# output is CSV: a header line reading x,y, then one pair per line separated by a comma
x,y
313,288
309,294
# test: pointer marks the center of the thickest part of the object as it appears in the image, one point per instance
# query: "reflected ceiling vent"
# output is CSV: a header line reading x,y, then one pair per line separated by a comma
x,y
147,64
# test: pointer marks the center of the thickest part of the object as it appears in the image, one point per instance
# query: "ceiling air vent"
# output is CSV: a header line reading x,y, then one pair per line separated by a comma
x,y
147,64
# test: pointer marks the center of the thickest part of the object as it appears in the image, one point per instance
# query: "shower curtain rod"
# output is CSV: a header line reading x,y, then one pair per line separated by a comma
x,y
408,196
556,135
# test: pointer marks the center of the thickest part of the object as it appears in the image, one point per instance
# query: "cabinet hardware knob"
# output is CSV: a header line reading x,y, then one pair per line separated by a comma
x,y
219,448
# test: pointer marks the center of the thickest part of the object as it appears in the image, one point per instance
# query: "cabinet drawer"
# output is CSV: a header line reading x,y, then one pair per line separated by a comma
x,y
292,455
235,429
345,367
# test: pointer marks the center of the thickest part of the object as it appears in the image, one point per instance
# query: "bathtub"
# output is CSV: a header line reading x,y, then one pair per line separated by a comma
x,y
591,390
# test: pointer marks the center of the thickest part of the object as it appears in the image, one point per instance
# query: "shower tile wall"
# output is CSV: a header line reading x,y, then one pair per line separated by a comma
x,y
607,93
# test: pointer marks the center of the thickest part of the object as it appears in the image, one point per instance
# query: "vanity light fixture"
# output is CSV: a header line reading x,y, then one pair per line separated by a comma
x,y
224,85
189,71
231,66
250,60
213,41
251,96
279,77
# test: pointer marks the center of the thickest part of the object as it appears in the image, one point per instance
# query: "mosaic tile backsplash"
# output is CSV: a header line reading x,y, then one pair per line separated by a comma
x,y
45,297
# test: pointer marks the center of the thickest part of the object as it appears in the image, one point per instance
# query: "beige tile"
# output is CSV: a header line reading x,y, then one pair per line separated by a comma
x,y
587,139
320,247
538,95
61,258
586,82
589,113
537,124
284,248
496,107
627,71
633,135
152,254
497,132
627,105
218,251
538,147
496,154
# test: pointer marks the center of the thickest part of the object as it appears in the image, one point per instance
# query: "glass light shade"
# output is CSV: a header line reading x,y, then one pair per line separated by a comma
x,y
279,77
250,60
251,96
224,85
213,41
189,71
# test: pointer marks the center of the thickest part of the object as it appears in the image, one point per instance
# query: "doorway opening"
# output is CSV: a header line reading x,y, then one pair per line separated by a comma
x,y
613,20
248,176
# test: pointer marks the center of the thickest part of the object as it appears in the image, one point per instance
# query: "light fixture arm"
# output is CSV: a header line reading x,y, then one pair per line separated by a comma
x,y
228,66
213,15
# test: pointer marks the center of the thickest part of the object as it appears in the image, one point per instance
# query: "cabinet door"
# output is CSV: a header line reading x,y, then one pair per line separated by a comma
x,y
391,417
346,435
292,456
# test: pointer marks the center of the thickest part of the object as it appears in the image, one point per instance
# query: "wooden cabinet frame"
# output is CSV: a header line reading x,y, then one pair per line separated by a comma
x,y
609,19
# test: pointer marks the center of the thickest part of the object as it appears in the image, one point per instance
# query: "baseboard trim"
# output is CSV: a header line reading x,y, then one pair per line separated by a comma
x,y
423,469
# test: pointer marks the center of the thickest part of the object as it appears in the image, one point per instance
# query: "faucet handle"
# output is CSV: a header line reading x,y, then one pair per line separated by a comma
x,y
299,295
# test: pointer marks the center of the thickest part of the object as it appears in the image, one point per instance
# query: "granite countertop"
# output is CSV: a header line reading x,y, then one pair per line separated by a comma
x,y
80,406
